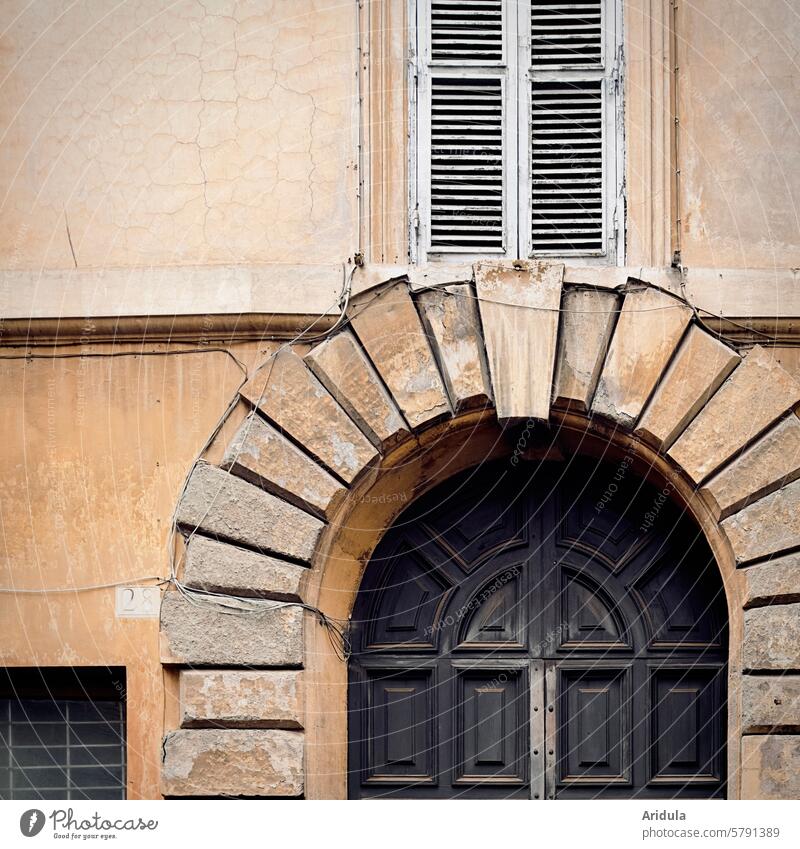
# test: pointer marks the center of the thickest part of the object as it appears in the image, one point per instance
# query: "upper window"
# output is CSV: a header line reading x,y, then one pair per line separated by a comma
x,y
517,118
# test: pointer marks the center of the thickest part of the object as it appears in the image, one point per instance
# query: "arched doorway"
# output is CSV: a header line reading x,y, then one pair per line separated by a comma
x,y
541,630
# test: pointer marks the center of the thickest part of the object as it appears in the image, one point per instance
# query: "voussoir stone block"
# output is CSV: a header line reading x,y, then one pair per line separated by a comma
x,y
261,454
266,698
770,463
772,638
774,582
770,702
289,395
340,364
219,567
223,762
202,634
758,392
700,366
450,315
650,327
392,334
519,309
587,320
227,506
768,526
771,766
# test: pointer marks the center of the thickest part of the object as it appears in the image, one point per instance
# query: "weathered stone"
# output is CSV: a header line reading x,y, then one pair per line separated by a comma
x,y
649,329
237,698
775,581
342,367
757,393
220,567
228,507
392,334
770,702
587,320
700,366
770,463
201,634
771,766
450,315
217,762
768,526
262,455
291,397
519,309
772,638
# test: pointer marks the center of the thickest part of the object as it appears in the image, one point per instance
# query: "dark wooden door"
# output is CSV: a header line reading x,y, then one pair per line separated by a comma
x,y
543,632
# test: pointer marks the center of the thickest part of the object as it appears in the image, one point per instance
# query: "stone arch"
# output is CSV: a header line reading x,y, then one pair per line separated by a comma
x,y
420,383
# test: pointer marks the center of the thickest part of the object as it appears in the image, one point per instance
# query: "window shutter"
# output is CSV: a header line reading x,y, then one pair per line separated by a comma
x,y
572,58
463,117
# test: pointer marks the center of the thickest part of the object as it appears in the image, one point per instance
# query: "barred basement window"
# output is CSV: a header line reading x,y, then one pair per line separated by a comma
x,y
517,126
62,733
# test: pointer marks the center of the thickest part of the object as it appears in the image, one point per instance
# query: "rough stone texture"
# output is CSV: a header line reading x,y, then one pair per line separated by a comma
x,y
260,454
767,465
758,392
392,334
587,321
770,702
771,766
228,507
201,635
519,312
450,315
700,366
649,329
341,366
768,526
243,699
772,638
219,567
290,396
775,581
216,762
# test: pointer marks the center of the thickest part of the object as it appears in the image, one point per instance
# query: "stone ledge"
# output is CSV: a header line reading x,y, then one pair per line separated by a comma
x,y
233,763
241,699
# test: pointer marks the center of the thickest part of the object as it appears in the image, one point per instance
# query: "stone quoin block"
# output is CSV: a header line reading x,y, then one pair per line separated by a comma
x,y
201,634
391,331
770,702
768,526
262,455
519,309
217,762
758,392
772,638
587,322
289,395
769,464
776,581
342,367
450,315
650,327
220,567
265,698
771,766
700,366
226,506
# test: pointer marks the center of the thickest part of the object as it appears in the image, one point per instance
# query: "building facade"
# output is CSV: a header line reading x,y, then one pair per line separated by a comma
x,y
400,399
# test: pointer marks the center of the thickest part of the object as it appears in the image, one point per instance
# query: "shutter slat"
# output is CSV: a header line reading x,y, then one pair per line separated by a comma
x,y
466,187
566,166
566,34
467,32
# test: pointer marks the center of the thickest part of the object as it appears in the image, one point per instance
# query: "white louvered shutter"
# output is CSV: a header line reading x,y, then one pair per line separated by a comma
x,y
571,125
463,129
